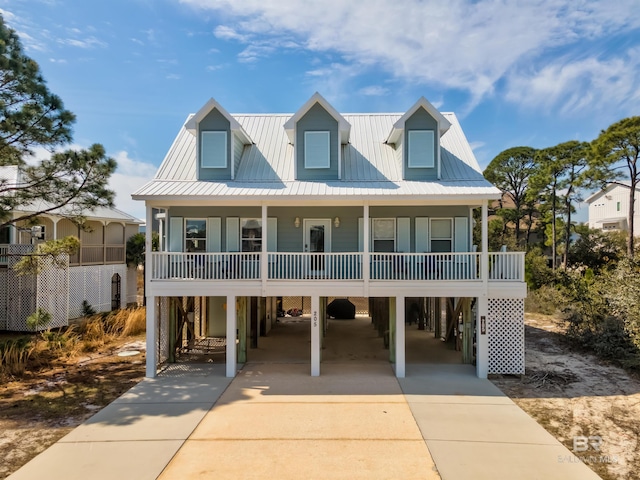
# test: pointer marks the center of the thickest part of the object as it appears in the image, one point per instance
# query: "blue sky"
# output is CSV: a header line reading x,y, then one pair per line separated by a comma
x,y
535,73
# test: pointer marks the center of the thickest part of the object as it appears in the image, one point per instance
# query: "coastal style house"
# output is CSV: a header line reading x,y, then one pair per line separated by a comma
x,y
257,208
609,209
97,273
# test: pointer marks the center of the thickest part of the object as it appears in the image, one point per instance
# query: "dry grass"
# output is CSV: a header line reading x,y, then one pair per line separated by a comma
x,y
20,355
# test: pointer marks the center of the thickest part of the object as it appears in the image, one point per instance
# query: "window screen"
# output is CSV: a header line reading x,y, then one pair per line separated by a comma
x,y
421,149
316,149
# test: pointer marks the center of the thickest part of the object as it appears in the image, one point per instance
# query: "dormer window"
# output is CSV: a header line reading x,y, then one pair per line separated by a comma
x,y
317,150
213,150
421,149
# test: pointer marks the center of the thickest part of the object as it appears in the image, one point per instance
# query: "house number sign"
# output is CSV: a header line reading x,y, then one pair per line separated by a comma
x,y
315,319
483,325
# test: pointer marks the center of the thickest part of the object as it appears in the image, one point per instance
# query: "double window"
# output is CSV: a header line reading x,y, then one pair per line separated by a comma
x,y
421,151
316,150
441,234
384,234
251,234
196,235
213,150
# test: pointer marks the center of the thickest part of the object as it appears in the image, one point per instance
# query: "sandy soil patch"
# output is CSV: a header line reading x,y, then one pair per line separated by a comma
x,y
572,395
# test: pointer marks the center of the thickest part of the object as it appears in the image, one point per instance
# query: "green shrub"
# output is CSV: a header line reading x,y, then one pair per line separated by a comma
x,y
38,319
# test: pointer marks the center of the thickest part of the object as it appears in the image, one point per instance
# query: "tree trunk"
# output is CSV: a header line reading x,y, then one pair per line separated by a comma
x,y
553,229
567,237
632,195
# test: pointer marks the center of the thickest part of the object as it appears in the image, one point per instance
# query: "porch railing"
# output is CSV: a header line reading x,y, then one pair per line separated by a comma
x,y
315,266
458,266
425,266
506,266
205,266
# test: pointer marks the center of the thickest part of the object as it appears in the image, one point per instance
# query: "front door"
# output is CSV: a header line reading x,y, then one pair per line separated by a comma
x,y
317,239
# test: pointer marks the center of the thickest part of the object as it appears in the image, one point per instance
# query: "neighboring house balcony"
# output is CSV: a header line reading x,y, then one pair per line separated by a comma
x,y
351,270
86,255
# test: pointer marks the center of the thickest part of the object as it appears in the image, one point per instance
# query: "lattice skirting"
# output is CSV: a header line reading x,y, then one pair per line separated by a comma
x,y
3,299
505,329
93,284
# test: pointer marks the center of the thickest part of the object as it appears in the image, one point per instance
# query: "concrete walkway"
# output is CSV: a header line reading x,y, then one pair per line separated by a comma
x,y
355,421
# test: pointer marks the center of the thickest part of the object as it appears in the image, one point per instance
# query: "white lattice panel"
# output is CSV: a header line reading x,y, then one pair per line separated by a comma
x,y
3,299
505,329
163,329
93,284
53,291
21,291
132,286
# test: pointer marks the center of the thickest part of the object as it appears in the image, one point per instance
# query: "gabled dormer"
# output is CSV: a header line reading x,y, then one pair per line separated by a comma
x,y
317,132
219,141
416,138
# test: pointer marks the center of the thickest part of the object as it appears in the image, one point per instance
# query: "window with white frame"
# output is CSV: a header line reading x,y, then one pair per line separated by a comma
x,y
213,150
383,232
196,235
251,234
421,149
316,150
441,234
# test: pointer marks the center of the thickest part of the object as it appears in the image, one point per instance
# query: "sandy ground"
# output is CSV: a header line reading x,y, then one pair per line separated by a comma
x,y
36,411
576,395
571,394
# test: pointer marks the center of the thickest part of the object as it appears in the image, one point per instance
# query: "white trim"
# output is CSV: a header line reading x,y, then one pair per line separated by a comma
x,y
315,336
325,222
400,337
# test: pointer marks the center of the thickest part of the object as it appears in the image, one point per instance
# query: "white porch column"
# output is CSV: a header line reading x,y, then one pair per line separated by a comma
x,y
315,336
400,337
231,336
365,243
152,325
152,338
482,345
264,261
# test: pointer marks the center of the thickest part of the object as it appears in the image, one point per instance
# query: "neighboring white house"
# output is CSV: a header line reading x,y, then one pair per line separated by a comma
x,y
609,209
97,273
319,204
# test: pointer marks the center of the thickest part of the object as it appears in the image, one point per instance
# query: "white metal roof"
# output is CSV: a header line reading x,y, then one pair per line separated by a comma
x,y
371,167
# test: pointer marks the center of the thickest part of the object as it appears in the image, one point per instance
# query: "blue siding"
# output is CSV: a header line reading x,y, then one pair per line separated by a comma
x,y
420,120
317,119
215,121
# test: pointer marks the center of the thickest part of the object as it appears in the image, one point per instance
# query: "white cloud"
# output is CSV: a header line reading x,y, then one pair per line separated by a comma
x,y
578,85
173,76
58,60
88,42
461,44
374,91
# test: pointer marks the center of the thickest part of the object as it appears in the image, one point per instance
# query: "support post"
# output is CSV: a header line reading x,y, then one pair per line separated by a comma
x,y
400,337
366,235
231,336
264,259
152,339
150,300
315,336
482,341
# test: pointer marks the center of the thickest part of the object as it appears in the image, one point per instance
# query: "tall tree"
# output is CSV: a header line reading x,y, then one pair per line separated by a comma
x,y
615,159
31,116
558,179
510,171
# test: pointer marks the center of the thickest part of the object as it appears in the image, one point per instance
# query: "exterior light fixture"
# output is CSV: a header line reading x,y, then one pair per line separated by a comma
x,y
336,222
296,222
